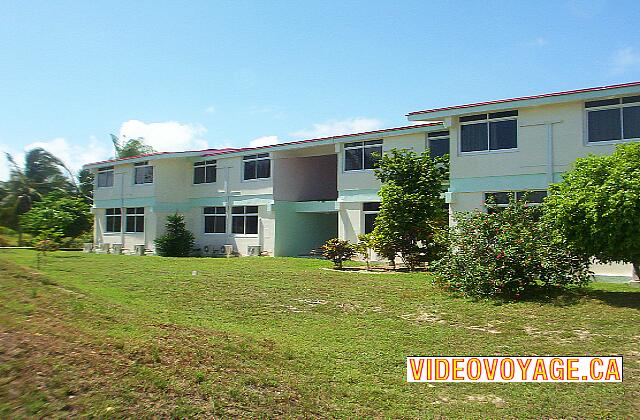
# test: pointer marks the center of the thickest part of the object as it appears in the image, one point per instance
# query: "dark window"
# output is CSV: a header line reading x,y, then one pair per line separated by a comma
x,y
144,175
473,137
477,117
604,125
204,172
493,134
114,220
438,143
244,220
257,166
495,201
215,220
370,211
135,219
105,177
631,118
631,99
362,155
503,135
603,102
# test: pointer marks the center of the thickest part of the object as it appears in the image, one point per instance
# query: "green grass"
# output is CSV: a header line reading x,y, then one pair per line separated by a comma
x,y
279,337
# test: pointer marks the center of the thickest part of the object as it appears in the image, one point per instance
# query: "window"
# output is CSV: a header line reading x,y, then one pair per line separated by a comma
x,y
204,172
215,220
244,220
370,211
438,143
114,220
495,201
143,173
105,177
362,155
613,119
493,131
257,166
135,220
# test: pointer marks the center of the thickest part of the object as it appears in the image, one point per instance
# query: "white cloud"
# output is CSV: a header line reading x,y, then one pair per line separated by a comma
x,y
167,136
625,59
210,109
337,127
264,141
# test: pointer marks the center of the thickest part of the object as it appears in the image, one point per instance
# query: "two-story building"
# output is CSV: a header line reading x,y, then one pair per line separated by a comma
x,y
287,199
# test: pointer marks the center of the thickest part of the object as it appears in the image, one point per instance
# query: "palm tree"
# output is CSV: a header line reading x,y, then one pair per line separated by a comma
x,y
41,174
130,147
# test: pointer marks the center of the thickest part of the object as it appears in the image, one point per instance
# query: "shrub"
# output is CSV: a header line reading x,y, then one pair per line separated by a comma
x,y
364,246
4,241
508,254
338,251
177,241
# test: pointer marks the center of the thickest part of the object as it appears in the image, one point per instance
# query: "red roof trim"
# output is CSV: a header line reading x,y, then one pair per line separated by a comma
x,y
522,98
216,152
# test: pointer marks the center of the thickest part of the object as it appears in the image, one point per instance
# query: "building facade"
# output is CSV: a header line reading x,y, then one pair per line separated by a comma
x,y
287,199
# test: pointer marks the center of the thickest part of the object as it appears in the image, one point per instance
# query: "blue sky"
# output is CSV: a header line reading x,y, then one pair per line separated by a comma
x,y
202,74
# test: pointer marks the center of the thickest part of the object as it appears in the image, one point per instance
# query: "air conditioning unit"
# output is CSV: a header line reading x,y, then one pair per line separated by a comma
x,y
139,250
87,247
105,248
228,250
117,249
254,250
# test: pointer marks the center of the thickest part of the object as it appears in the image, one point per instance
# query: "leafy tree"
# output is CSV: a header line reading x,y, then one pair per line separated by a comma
x,y
596,207
130,147
177,240
507,253
412,210
41,174
57,216
338,251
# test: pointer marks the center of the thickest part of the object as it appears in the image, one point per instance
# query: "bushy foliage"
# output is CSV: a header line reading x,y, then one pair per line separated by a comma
x,y
597,206
364,247
130,147
412,210
507,254
338,251
58,215
177,240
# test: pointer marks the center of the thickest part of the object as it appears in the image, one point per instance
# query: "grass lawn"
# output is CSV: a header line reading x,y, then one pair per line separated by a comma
x,y
114,336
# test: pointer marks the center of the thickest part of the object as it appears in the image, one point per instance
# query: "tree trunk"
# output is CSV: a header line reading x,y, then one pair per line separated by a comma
x,y
635,277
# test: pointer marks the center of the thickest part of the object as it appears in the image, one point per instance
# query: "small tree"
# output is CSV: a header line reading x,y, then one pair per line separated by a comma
x,y
177,241
596,208
338,251
57,216
412,209
364,246
130,147
508,253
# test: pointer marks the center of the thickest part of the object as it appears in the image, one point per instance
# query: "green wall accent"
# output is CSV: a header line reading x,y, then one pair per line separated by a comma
x,y
357,196
298,233
503,182
315,206
126,202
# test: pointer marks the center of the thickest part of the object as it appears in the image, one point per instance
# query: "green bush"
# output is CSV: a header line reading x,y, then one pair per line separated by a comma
x,y
338,251
177,241
4,241
507,254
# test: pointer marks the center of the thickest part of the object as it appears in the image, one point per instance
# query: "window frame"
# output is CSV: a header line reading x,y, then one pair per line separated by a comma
x,y
487,120
215,215
366,213
245,214
115,215
620,106
257,157
518,194
206,164
438,135
364,144
142,165
136,214
104,171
